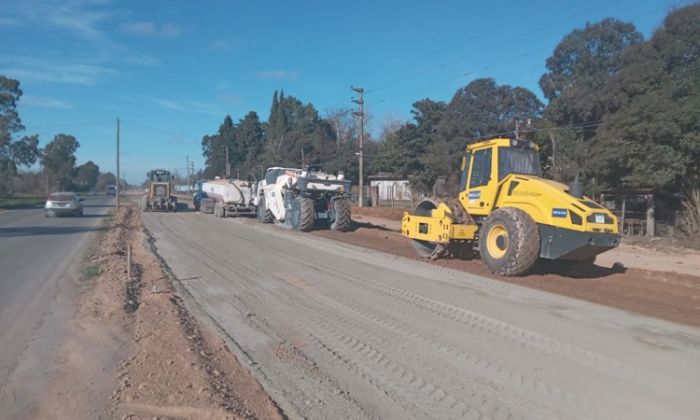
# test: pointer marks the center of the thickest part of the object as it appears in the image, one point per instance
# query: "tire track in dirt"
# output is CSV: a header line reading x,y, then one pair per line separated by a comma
x,y
375,333
254,273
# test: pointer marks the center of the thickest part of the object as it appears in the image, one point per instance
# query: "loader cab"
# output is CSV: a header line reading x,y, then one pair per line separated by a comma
x,y
486,164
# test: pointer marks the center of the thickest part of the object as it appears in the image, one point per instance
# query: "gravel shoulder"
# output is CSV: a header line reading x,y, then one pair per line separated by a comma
x,y
333,330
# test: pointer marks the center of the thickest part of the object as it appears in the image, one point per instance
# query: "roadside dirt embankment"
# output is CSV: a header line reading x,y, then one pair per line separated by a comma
x,y
667,289
162,363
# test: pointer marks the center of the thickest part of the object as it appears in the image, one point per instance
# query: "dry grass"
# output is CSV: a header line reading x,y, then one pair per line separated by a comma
x,y
689,223
690,217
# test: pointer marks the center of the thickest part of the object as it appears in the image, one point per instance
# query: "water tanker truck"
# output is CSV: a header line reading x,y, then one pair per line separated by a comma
x,y
227,197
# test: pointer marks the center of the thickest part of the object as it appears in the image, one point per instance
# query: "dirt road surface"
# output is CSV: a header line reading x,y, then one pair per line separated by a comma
x,y
332,330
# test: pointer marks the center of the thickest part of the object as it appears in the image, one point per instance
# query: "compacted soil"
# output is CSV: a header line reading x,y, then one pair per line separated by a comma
x,y
671,290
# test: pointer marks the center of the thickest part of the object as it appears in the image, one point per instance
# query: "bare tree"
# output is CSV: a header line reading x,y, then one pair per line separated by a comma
x,y
343,124
390,124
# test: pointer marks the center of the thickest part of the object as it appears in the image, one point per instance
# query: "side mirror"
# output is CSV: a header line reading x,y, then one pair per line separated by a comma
x,y
81,199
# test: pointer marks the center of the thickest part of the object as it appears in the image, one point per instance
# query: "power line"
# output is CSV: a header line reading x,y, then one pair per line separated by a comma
x,y
168,132
546,26
423,148
511,59
42,127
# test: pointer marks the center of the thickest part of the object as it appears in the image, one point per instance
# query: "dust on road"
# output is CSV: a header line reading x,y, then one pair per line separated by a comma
x,y
339,331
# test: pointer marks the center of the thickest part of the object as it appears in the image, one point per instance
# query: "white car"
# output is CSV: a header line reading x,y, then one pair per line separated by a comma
x,y
63,204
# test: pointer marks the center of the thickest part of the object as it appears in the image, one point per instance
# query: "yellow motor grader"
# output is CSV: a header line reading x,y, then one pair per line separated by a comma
x,y
512,216
159,196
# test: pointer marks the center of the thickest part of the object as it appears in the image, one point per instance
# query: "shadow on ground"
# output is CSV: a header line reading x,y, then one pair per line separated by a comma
x,y
47,230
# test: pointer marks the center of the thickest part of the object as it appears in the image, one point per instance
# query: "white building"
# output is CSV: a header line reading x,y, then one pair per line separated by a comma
x,y
391,187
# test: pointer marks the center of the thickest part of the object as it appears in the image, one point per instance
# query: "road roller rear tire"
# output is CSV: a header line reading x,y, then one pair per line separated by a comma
x,y
509,242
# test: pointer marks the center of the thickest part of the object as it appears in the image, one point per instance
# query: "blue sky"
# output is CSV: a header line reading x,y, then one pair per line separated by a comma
x,y
172,70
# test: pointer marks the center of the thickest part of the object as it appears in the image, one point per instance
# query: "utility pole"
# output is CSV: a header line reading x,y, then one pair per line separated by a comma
x,y
228,165
189,181
117,186
191,175
361,113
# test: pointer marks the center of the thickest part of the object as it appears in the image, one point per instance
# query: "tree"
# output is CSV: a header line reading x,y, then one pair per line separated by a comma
x,y
402,149
581,66
214,148
343,123
86,176
297,134
13,153
651,134
251,139
105,179
484,108
58,158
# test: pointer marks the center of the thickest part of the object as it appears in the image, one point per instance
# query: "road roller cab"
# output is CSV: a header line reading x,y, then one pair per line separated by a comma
x,y
512,216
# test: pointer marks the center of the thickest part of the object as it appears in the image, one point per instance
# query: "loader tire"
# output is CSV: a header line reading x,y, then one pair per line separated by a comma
x,y
263,214
509,242
306,214
343,215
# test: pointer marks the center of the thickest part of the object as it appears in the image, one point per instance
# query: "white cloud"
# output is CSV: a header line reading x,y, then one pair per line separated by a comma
x,y
139,59
277,74
225,44
79,17
221,44
41,70
152,29
4,21
228,98
185,106
81,23
45,102
95,54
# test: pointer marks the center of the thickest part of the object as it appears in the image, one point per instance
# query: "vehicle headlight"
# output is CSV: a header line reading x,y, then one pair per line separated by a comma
x,y
49,203
341,176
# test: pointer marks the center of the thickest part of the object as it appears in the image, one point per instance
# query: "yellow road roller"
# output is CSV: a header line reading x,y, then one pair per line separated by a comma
x,y
511,216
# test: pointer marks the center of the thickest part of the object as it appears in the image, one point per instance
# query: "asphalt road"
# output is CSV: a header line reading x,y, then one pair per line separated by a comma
x,y
337,331
40,262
